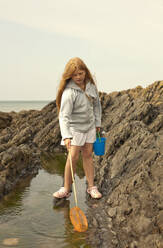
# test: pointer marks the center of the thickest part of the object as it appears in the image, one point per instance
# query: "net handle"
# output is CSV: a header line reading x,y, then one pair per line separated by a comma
x,y
73,180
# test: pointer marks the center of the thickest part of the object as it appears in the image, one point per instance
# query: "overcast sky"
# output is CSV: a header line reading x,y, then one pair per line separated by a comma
x,y
121,41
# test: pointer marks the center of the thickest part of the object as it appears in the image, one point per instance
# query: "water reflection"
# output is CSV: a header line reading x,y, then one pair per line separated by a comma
x,y
55,164
12,203
72,238
29,216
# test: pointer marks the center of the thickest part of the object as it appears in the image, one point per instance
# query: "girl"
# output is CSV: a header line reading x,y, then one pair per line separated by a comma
x,y
79,118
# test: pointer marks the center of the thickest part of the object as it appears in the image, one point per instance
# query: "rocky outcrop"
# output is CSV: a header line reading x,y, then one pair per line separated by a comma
x,y
5,120
130,174
23,137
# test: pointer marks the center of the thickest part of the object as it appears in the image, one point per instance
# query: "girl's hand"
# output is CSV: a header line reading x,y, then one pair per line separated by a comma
x,y
67,143
98,129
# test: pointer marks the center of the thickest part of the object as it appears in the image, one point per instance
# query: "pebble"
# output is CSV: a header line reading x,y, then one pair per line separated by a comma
x,y
11,241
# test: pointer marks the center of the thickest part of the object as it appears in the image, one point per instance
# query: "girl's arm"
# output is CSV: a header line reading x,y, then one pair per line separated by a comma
x,y
65,113
97,110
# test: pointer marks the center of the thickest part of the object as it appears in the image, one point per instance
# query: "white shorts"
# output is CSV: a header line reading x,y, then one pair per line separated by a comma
x,y
79,139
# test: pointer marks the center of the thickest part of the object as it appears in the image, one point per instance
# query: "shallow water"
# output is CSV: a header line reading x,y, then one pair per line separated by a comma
x,y
28,217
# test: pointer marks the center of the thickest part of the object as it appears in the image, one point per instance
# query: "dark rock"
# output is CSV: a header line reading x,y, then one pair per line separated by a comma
x,y
16,163
130,174
5,120
23,137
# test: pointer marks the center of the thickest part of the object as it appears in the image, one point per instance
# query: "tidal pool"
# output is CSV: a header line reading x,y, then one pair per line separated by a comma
x,y
28,218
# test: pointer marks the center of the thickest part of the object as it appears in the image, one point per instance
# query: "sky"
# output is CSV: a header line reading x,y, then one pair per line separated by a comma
x,y
121,42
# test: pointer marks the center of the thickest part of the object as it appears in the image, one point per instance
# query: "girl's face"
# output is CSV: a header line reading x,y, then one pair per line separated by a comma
x,y
79,76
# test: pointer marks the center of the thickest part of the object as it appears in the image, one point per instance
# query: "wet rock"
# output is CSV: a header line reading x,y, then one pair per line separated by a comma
x,y
16,163
24,136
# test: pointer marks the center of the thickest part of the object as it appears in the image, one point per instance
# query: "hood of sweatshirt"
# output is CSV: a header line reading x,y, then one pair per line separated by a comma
x,y
71,84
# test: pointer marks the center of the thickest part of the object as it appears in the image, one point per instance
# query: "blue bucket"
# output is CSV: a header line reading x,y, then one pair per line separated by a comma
x,y
99,146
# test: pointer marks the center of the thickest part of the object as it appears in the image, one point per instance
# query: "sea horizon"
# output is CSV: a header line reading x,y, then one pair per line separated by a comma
x,y
19,105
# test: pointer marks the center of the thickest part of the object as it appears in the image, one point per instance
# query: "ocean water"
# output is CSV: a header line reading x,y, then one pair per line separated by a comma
x,y
8,106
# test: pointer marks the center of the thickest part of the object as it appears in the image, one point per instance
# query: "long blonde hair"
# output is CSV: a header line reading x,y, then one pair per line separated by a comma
x,y
72,65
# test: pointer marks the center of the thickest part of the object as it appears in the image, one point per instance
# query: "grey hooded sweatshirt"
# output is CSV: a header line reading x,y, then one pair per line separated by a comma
x,y
80,110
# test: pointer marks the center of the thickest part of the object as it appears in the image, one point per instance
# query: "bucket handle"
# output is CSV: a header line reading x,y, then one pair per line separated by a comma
x,y
98,133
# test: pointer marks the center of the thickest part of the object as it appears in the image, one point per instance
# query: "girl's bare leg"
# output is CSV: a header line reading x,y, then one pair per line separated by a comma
x,y
67,174
88,163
